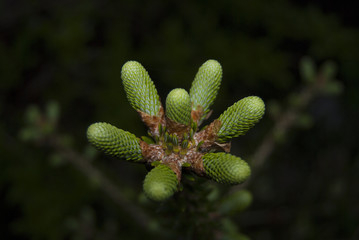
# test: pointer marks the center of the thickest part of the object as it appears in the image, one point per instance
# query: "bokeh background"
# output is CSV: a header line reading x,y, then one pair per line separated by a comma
x,y
60,67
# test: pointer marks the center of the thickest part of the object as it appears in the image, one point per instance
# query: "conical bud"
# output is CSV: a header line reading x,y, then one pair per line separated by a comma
x,y
225,168
140,90
114,141
178,106
160,183
205,86
240,117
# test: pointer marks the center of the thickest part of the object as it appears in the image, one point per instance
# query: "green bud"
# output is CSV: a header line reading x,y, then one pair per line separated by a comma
x,y
174,140
240,117
160,183
140,90
178,106
225,168
114,141
206,85
184,144
191,133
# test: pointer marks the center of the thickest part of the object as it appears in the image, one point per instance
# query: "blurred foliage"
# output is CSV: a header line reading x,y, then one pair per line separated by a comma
x,y
68,55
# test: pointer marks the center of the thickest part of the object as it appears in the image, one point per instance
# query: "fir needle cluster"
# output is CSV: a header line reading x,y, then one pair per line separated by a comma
x,y
174,143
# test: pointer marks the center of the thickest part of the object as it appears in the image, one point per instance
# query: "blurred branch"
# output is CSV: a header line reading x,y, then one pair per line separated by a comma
x,y
316,83
282,126
106,185
40,127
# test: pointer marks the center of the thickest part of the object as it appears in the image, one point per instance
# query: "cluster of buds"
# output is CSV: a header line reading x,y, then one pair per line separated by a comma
x,y
175,144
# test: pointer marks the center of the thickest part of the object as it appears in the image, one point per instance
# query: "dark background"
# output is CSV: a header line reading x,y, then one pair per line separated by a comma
x,y
70,53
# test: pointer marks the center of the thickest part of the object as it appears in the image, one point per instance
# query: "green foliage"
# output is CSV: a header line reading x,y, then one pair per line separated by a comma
x,y
226,168
178,106
240,117
206,85
141,92
114,141
160,183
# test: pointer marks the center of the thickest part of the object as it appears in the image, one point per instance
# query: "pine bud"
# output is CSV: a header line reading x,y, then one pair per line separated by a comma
x,y
225,168
240,117
140,90
114,141
160,183
178,106
205,86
